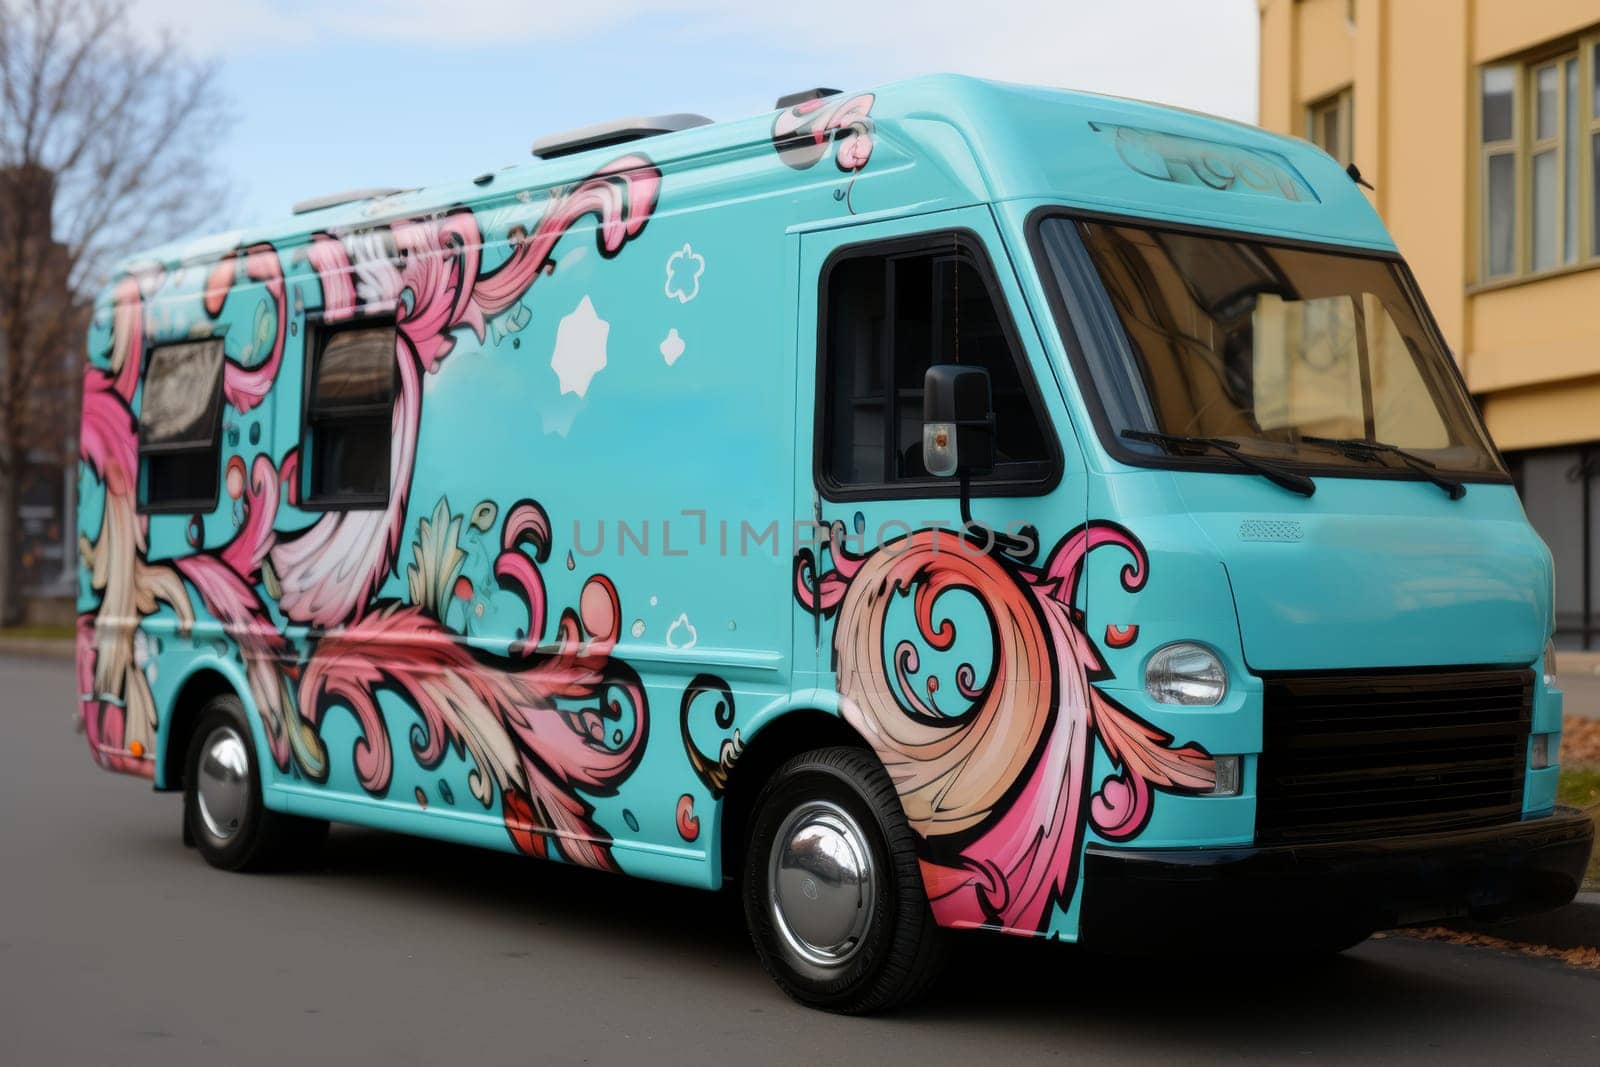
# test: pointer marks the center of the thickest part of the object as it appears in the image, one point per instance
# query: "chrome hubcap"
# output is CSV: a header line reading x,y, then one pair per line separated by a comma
x,y
821,880
224,782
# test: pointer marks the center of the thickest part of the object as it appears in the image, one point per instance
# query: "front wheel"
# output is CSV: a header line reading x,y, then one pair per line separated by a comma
x,y
222,811
832,888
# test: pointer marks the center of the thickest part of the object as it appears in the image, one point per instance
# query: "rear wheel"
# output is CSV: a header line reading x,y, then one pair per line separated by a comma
x,y
223,816
832,889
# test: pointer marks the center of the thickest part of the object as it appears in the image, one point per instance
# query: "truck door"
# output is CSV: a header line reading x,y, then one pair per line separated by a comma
x,y
934,631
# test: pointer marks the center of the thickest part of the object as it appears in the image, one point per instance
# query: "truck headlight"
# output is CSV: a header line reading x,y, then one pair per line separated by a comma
x,y
1185,673
1550,663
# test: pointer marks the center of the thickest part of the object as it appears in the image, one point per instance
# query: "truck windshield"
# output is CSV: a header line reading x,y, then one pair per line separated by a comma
x,y
1283,353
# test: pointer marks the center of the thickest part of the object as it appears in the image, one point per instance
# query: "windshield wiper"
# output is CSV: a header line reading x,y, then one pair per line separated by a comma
x,y
1371,450
1295,483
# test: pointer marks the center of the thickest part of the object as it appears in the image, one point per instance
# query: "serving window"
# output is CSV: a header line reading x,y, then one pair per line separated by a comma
x,y
349,417
180,416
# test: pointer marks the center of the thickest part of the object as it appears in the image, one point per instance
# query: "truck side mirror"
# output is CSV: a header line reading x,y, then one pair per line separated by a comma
x,y
957,420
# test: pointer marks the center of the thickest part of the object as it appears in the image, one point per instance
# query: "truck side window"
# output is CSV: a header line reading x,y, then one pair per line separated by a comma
x,y
889,317
179,417
349,417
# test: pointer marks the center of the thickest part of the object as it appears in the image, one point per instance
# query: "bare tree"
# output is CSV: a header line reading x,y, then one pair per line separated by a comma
x,y
105,138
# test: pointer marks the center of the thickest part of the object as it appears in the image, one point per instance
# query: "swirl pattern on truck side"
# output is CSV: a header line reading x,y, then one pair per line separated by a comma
x,y
803,133
996,779
554,719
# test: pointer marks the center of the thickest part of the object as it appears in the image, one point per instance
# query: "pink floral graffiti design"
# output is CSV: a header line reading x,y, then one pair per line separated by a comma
x,y
803,133
118,709
539,723
1000,793
329,572
505,713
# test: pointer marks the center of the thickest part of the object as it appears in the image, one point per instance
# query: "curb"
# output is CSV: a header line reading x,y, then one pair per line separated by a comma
x,y
37,648
1577,925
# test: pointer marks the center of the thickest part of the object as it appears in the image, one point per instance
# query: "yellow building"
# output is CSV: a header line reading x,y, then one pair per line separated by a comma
x,y
1478,124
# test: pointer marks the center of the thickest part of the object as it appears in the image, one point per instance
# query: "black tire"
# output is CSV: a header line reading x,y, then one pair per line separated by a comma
x,y
900,950
251,837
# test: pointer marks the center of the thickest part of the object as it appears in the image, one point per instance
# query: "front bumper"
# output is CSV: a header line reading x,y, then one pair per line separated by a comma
x,y
1137,896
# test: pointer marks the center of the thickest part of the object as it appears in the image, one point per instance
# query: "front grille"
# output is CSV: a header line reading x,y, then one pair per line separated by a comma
x,y
1358,755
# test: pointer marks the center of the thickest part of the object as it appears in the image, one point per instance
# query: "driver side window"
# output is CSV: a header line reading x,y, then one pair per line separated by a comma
x,y
888,315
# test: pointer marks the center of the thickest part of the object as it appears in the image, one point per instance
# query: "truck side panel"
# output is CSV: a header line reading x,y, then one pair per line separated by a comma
x,y
591,417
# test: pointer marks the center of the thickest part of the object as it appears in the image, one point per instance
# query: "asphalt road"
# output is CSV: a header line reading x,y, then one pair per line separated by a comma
x,y
118,944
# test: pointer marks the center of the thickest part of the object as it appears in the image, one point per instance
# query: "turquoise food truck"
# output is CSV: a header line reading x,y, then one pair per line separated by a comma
x,y
955,505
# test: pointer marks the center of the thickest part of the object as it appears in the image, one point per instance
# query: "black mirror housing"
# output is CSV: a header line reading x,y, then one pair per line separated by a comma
x,y
957,420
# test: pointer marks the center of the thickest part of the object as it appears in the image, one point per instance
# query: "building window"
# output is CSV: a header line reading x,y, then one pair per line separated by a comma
x,y
180,413
349,417
1593,53
1330,125
1540,151
891,312
1499,119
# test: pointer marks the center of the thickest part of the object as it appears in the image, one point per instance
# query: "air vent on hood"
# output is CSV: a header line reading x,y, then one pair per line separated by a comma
x,y
1270,530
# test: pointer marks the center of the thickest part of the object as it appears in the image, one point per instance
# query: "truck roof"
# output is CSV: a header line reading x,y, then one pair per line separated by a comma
x,y
937,141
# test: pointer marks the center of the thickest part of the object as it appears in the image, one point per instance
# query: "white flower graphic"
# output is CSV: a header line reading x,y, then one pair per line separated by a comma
x,y
672,347
682,634
684,268
580,348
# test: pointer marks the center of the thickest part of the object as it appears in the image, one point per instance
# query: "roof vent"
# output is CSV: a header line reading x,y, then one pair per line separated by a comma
x,y
791,99
615,132
349,196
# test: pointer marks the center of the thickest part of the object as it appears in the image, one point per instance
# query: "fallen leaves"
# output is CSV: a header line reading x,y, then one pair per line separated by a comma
x,y
1585,957
1580,740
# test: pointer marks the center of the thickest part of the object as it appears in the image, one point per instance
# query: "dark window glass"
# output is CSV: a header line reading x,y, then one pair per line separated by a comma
x,y
349,417
356,370
1572,157
181,392
1499,89
1543,210
1594,73
891,317
179,410
1594,207
1259,344
350,461
858,331
1547,93
1501,207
